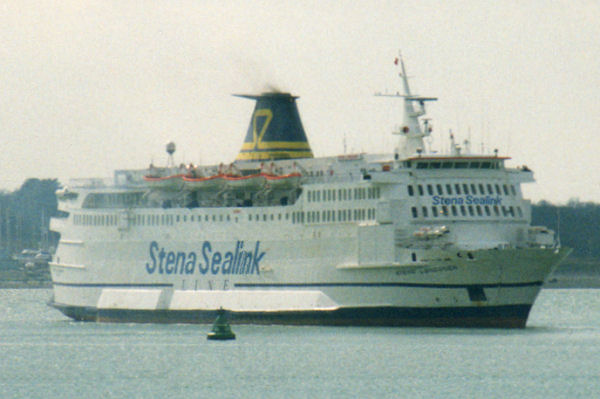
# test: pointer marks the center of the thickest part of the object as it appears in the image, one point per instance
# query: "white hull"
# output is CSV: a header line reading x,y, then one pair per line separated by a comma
x,y
298,282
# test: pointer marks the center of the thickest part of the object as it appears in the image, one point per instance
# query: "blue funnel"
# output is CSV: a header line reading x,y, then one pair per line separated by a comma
x,y
275,130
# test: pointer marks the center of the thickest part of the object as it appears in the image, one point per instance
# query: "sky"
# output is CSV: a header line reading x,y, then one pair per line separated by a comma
x,y
87,87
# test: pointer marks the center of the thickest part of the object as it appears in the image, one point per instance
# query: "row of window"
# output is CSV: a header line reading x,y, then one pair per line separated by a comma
x,y
343,194
464,188
458,164
113,200
325,216
333,215
467,210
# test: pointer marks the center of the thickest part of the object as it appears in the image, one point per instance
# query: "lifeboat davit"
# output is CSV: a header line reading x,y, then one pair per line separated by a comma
x,y
288,181
214,182
172,182
249,182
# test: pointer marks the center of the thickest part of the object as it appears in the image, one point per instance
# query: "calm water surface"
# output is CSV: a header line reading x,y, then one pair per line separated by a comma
x,y
45,355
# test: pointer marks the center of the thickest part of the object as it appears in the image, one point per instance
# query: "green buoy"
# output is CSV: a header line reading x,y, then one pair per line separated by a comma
x,y
221,329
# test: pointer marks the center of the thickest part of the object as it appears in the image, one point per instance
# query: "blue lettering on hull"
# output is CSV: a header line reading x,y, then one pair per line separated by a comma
x,y
466,200
209,261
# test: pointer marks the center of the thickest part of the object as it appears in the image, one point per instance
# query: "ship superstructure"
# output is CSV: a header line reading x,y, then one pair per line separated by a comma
x,y
281,236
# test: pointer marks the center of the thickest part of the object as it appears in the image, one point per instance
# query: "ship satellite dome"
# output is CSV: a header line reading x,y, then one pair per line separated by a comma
x,y
170,147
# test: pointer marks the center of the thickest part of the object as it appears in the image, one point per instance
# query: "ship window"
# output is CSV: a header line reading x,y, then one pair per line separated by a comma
x,y
478,209
249,218
429,189
264,217
349,194
228,218
496,210
449,189
435,165
411,192
512,190
511,211
177,219
470,208
463,210
421,165
486,165
505,188
457,188
490,190
497,189
474,189
474,165
461,165
481,189
487,210
420,188
454,212
424,209
439,189
445,210
413,257
504,211
333,195
434,211
465,188
340,194
446,165
414,211
206,218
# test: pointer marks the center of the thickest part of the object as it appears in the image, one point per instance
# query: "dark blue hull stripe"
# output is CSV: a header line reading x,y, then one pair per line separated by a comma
x,y
114,285
309,285
508,316
415,285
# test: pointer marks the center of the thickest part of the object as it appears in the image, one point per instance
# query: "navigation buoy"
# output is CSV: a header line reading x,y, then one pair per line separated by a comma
x,y
221,329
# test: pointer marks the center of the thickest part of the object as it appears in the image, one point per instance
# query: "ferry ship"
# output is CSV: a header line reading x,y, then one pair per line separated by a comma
x,y
411,238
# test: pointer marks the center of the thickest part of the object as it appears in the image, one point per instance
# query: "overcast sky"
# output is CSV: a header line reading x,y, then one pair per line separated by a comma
x,y
87,87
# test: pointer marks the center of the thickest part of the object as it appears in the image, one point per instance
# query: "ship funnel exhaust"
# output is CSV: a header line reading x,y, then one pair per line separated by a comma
x,y
275,130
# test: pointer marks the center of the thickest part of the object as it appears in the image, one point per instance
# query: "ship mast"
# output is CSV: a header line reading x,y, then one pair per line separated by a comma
x,y
411,132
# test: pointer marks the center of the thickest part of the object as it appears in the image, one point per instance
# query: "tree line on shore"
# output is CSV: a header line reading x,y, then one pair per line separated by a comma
x,y
25,215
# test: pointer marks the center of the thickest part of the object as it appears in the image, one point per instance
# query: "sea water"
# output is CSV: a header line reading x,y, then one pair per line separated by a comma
x,y
45,355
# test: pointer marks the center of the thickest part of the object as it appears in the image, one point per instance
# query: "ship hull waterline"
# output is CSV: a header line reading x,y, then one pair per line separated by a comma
x,y
508,316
